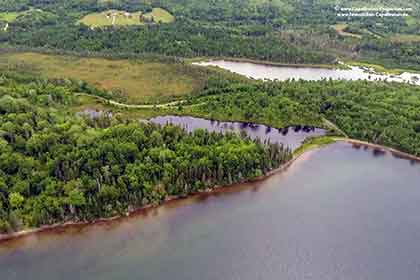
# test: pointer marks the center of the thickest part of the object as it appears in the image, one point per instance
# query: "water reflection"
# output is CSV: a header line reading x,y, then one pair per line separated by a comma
x,y
94,114
289,136
377,152
335,214
381,152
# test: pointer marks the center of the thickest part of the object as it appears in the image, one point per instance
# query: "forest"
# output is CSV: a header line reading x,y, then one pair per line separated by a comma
x,y
181,39
56,166
281,30
378,112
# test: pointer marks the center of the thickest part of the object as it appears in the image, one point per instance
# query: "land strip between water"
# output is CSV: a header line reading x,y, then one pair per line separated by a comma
x,y
310,146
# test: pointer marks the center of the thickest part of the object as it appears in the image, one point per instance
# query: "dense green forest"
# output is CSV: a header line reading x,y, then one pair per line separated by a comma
x,y
183,38
378,112
393,54
55,166
277,30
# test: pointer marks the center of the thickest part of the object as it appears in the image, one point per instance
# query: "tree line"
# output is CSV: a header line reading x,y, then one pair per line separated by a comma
x,y
184,38
56,167
378,112
223,28
228,28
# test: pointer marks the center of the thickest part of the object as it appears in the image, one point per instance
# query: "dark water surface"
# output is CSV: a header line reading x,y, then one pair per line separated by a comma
x,y
336,213
290,136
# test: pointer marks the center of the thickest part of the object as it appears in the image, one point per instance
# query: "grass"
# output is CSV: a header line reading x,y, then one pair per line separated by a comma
x,y
404,38
137,81
8,16
410,20
160,15
339,28
120,18
89,103
312,143
106,19
379,68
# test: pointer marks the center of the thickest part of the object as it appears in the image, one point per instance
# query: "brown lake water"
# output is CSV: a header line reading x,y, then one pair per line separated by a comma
x,y
340,212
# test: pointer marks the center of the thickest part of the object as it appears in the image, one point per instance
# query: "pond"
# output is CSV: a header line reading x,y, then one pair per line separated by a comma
x,y
282,73
340,212
289,136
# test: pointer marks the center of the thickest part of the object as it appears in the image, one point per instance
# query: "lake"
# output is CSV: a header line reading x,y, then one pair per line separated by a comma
x,y
291,136
340,212
282,73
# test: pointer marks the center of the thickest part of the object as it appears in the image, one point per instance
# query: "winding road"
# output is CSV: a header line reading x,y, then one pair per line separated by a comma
x,y
328,124
134,106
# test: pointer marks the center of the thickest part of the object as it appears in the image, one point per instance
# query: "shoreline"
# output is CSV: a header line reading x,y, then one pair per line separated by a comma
x,y
393,151
196,61
216,189
341,65
232,120
380,68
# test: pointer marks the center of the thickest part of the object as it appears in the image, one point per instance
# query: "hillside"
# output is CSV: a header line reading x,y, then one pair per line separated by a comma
x,y
282,30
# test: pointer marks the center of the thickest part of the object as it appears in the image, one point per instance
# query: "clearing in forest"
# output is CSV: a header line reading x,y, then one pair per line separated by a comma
x,y
123,18
159,15
339,28
112,17
138,80
8,16
404,38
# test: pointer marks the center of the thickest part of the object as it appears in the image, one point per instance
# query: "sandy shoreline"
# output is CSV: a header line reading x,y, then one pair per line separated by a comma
x,y
216,189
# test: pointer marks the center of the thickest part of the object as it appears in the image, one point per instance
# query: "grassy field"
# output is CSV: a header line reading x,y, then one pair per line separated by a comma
x,y
9,16
122,18
339,28
381,68
112,17
138,81
312,143
87,103
405,38
378,68
160,15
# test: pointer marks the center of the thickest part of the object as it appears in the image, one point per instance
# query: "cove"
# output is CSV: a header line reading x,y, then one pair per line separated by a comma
x,y
282,73
289,136
339,212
